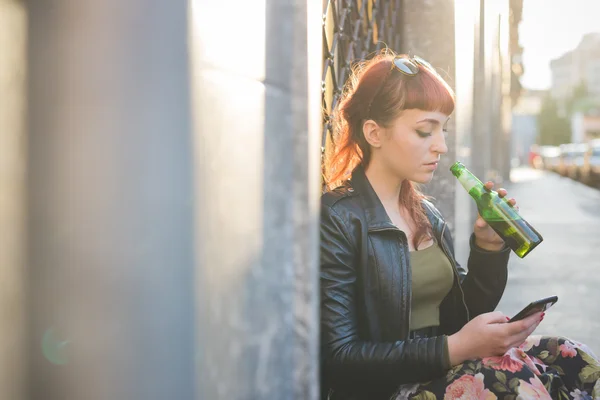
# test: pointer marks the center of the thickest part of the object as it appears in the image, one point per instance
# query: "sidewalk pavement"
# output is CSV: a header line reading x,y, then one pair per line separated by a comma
x,y
566,263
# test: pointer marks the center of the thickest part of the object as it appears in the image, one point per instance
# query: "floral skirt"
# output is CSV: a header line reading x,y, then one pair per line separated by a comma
x,y
541,368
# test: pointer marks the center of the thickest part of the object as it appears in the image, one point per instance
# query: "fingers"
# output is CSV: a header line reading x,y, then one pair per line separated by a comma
x,y
489,185
534,319
518,342
520,330
532,327
495,317
524,324
502,193
520,338
480,222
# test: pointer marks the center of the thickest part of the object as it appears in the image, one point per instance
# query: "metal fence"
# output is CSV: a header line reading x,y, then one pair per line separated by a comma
x,y
353,30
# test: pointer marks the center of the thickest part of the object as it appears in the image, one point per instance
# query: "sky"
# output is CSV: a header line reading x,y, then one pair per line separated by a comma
x,y
549,29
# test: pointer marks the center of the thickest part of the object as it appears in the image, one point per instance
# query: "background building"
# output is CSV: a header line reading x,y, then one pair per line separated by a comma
x,y
578,67
585,126
524,132
576,87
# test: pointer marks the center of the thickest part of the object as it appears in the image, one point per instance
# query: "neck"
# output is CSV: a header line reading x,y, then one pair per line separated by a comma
x,y
386,185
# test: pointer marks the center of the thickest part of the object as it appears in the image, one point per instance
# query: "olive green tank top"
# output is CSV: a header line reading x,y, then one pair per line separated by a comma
x,y
432,279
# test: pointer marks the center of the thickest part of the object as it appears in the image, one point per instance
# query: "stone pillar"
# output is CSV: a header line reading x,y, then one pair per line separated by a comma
x,y
506,103
110,246
257,138
480,150
494,97
437,46
492,104
13,30
466,15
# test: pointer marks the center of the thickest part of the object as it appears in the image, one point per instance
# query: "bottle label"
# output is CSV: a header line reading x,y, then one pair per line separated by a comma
x,y
497,209
469,182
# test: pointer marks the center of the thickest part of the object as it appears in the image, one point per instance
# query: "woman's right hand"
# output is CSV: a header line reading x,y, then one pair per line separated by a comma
x,y
490,335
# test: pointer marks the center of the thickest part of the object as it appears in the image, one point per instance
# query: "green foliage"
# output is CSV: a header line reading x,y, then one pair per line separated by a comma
x,y
552,128
580,93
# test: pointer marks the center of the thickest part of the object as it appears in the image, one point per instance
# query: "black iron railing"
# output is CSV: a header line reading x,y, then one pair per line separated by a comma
x,y
353,30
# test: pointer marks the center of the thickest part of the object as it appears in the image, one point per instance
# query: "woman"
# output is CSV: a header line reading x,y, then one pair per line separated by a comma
x,y
399,317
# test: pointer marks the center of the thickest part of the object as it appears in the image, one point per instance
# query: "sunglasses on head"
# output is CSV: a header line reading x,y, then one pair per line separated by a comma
x,y
408,66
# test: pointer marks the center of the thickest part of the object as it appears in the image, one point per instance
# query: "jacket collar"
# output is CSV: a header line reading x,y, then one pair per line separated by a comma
x,y
377,218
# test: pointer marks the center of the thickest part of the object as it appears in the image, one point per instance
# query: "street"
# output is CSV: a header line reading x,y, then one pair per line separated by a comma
x,y
566,264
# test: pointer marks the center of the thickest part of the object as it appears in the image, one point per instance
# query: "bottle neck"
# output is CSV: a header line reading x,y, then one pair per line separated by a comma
x,y
470,182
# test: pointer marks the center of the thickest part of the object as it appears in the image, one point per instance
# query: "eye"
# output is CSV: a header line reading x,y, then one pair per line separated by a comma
x,y
423,134
445,131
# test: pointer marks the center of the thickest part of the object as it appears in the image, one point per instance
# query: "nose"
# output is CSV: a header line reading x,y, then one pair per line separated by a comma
x,y
439,143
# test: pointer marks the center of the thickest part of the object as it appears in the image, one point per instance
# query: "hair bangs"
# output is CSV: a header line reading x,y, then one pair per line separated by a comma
x,y
428,92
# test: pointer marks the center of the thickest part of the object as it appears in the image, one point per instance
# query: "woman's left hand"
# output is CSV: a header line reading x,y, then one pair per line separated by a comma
x,y
485,237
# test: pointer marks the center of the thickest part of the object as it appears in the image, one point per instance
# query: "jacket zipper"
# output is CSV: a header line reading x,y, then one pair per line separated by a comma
x,y
407,311
452,261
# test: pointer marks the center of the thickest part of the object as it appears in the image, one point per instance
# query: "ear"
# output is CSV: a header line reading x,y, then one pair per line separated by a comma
x,y
373,133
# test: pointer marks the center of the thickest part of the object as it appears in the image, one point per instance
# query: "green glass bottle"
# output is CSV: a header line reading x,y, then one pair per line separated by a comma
x,y
517,233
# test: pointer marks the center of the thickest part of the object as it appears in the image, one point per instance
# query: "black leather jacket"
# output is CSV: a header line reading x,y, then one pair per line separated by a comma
x,y
366,346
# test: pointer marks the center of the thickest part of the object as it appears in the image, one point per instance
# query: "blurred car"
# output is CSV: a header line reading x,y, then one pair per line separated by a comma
x,y
579,151
589,173
549,157
571,156
563,159
534,157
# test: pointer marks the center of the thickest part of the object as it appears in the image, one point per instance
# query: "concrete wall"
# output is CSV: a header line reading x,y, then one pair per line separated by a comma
x,y
110,202
491,102
256,146
13,36
438,47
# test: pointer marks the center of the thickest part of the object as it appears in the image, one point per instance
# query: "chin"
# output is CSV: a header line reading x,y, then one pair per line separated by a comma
x,y
422,178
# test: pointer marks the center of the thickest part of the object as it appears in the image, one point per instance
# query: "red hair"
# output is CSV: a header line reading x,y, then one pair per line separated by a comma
x,y
378,92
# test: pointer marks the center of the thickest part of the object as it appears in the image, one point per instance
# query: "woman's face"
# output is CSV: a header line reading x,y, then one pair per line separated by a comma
x,y
411,147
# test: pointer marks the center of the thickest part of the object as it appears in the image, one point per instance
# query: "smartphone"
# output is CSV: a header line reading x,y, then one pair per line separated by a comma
x,y
534,307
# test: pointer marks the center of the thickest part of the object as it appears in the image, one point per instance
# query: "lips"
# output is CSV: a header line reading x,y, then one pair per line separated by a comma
x,y
432,165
